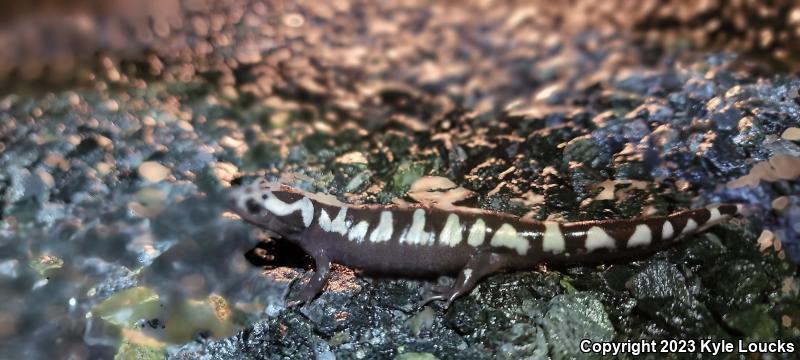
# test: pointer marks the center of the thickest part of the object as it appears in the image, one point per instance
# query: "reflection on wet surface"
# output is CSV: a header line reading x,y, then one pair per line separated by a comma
x,y
166,279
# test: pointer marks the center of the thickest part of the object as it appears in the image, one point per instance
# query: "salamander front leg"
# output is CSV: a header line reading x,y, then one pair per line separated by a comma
x,y
480,265
314,285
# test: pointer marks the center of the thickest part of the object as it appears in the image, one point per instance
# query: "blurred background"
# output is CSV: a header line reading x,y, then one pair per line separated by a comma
x,y
54,41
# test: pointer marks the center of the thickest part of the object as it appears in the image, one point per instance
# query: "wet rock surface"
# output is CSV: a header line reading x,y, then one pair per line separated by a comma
x,y
114,240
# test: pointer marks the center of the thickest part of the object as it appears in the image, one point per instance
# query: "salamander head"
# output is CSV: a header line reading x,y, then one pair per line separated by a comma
x,y
277,208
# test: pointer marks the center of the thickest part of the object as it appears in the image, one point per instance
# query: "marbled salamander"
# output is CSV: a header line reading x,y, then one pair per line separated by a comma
x,y
416,240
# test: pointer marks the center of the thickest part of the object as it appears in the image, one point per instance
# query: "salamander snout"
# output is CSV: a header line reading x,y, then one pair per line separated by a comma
x,y
242,201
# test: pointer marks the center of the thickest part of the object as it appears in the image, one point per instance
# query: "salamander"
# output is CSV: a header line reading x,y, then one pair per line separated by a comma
x,y
418,240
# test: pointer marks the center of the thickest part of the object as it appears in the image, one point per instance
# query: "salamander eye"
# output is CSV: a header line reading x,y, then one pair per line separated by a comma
x,y
253,207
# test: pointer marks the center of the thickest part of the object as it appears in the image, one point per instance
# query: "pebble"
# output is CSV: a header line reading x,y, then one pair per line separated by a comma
x,y
791,134
9,268
765,240
47,179
153,171
111,105
225,171
293,20
354,157
780,203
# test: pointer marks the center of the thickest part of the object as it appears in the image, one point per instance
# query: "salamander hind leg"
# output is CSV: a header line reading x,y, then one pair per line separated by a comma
x,y
314,285
479,266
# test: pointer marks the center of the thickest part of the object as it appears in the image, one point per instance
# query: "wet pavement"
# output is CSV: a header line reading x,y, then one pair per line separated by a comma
x,y
114,239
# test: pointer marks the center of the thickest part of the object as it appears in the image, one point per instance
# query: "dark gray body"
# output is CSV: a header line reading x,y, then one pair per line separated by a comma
x,y
399,259
432,241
